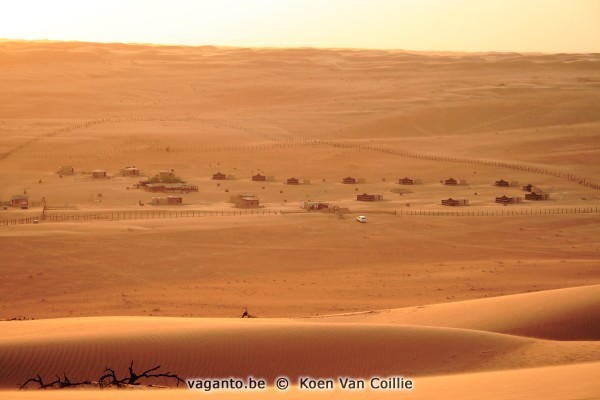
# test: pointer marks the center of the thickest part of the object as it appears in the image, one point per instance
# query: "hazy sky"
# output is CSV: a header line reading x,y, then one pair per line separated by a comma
x,y
460,25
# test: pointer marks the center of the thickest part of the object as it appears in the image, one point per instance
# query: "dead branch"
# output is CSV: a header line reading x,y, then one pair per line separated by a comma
x,y
38,379
111,374
108,379
133,378
67,383
146,374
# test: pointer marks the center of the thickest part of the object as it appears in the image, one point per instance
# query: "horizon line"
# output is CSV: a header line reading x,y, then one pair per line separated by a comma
x,y
218,46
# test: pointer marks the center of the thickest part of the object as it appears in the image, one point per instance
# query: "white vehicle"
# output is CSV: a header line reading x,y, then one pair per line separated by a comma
x,y
362,219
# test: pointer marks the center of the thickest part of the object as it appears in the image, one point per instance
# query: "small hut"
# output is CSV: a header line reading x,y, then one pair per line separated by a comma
x,y
219,176
406,181
130,171
19,200
66,170
508,200
248,202
502,183
293,181
349,180
245,200
259,178
528,187
174,200
455,202
537,196
451,182
369,197
98,174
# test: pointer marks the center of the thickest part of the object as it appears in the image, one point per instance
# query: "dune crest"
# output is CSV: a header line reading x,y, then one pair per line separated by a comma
x,y
561,314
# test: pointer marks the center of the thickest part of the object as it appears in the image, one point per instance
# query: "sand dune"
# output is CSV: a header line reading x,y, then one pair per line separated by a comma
x,y
563,314
83,347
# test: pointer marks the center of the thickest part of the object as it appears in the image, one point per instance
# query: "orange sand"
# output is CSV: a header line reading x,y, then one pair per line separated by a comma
x,y
488,307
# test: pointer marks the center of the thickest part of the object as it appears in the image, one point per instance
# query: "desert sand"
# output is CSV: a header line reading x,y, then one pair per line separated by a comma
x,y
478,301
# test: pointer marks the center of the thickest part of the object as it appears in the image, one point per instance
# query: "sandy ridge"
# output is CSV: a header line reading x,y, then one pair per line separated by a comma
x,y
561,314
82,347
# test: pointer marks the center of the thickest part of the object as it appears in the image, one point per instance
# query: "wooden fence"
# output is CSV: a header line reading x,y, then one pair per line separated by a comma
x,y
500,213
288,142
129,215
154,214
19,221
489,163
141,215
100,121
